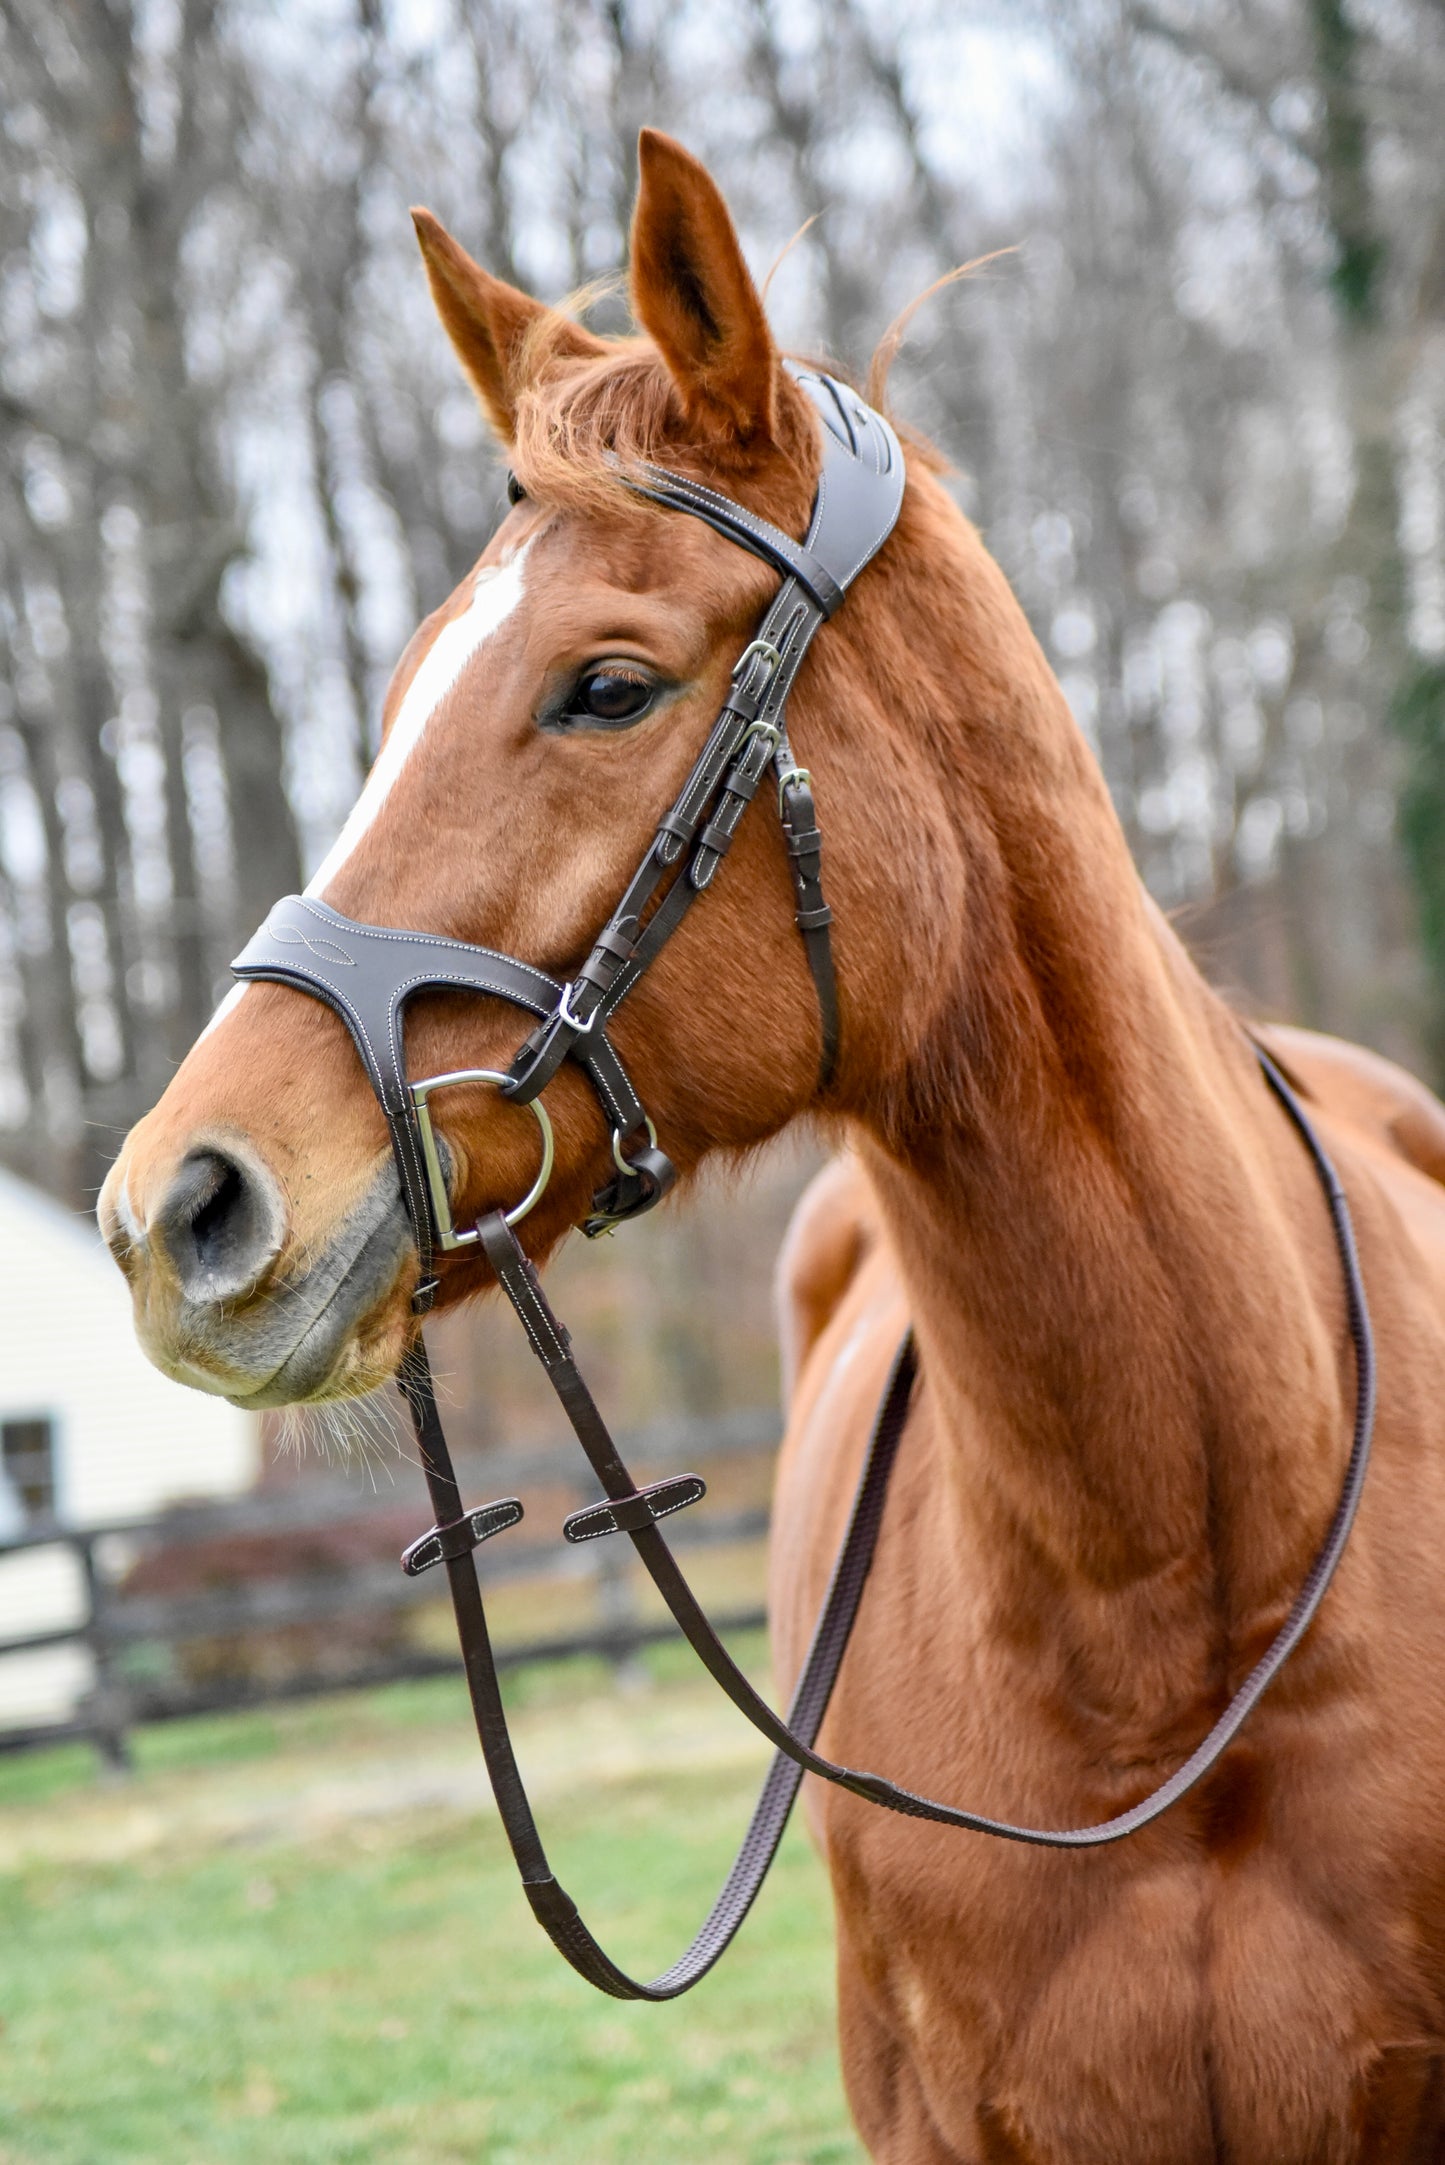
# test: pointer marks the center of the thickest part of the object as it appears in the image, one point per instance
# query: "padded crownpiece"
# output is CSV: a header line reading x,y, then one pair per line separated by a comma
x,y
860,486
860,492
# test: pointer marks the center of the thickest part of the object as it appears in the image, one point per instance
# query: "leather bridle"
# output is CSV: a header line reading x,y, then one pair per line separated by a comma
x,y
367,973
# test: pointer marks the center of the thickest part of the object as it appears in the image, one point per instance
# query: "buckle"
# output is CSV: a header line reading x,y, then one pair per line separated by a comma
x,y
792,778
771,655
563,1012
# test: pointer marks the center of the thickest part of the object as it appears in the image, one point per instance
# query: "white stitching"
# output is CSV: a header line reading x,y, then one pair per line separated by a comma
x,y
533,1300
611,1096
795,556
326,915
653,1513
538,1348
553,1328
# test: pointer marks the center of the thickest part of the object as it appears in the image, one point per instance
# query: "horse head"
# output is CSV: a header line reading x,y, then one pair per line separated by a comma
x,y
537,726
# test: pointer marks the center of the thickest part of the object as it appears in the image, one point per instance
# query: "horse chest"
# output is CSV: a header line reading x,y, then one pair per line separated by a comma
x,y
1021,2011
1254,1979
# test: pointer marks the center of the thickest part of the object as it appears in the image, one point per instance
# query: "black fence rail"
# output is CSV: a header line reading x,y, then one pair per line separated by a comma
x,y
307,1562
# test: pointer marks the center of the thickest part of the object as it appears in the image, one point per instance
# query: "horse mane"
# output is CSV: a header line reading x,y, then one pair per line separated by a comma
x,y
583,420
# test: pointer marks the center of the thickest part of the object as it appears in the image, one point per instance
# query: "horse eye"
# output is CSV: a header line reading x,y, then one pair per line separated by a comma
x,y
516,494
607,696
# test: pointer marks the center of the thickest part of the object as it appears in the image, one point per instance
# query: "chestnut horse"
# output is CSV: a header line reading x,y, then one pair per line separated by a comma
x,y
1064,1170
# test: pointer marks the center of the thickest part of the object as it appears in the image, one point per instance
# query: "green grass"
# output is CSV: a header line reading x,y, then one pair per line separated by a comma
x,y
382,1993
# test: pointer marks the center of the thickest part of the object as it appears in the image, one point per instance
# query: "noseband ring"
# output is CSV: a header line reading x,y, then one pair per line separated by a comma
x,y
366,973
625,1165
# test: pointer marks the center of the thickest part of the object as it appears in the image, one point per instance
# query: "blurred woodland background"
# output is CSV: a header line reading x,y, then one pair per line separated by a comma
x,y
1198,411
1198,415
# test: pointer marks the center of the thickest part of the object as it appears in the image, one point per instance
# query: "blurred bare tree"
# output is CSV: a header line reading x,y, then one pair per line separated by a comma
x,y
1198,413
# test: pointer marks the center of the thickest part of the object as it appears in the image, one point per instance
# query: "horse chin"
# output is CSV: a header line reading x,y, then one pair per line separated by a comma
x,y
334,1327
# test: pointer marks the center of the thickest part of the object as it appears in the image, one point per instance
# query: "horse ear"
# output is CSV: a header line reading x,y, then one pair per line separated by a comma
x,y
488,321
692,292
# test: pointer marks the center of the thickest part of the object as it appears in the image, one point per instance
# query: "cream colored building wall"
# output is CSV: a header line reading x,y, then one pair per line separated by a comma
x,y
127,1440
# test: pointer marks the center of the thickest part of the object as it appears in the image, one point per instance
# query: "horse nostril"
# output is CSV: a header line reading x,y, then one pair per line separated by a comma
x,y
220,1225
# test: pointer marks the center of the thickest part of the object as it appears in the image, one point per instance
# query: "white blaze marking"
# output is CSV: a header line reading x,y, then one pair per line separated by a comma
x,y
228,1006
494,596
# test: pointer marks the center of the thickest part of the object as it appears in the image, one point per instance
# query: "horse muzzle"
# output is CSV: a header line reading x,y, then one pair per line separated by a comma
x,y
233,1297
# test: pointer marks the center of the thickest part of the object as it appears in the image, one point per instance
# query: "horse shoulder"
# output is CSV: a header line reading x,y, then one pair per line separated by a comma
x,y
1373,1094
833,1226
841,1317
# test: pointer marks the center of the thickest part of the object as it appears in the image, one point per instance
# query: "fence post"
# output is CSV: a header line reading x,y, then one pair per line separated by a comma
x,y
616,1608
109,1701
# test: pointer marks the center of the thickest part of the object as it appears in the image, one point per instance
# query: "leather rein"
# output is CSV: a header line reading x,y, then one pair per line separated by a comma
x,y
366,973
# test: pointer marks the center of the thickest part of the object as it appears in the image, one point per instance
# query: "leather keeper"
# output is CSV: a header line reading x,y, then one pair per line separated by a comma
x,y
650,1173
616,942
716,838
628,1515
443,1544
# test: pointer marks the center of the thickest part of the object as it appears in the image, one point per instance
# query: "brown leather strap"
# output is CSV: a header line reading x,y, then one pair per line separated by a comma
x,y
703,818
553,1907
794,1738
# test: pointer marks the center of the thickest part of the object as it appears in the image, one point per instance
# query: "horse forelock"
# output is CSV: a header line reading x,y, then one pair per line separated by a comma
x,y
583,422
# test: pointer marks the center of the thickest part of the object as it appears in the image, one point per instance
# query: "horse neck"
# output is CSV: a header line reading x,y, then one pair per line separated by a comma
x,y
1117,1256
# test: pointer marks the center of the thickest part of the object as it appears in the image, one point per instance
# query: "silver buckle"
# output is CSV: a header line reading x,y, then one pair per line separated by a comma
x,y
447,1235
789,775
575,1022
771,655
